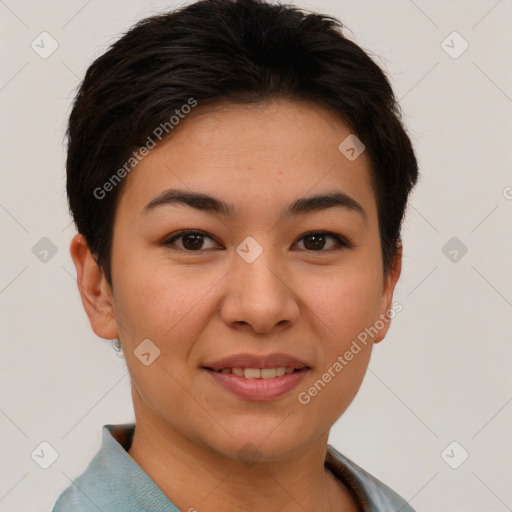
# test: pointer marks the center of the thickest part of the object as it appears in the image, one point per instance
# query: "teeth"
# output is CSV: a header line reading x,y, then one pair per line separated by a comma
x,y
252,373
268,373
257,373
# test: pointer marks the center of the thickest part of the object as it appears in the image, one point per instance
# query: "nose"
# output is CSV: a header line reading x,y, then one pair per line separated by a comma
x,y
260,296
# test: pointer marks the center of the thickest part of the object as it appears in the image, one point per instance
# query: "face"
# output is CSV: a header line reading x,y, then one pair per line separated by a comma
x,y
257,278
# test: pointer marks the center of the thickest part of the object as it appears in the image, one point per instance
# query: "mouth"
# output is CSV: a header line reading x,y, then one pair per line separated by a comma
x,y
257,377
257,384
253,363
258,373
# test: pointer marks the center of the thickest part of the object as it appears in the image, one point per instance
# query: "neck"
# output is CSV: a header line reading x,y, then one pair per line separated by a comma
x,y
196,478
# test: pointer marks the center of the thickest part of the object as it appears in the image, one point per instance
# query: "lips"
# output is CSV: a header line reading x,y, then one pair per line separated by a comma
x,y
258,377
256,361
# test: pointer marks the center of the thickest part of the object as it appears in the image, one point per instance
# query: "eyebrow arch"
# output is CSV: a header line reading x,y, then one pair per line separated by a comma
x,y
210,204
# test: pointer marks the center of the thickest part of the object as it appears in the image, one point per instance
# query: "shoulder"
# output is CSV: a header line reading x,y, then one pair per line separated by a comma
x,y
113,481
95,488
90,491
376,495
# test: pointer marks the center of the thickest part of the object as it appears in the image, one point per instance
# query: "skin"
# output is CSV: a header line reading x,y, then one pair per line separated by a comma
x,y
202,305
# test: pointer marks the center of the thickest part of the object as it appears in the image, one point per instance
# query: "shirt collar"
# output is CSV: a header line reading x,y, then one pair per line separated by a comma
x,y
133,483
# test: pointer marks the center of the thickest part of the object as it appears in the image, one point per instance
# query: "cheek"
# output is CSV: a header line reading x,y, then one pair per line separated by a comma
x,y
158,300
158,307
346,303
335,386
171,309
343,309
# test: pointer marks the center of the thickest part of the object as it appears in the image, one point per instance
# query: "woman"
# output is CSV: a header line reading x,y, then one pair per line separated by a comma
x,y
238,174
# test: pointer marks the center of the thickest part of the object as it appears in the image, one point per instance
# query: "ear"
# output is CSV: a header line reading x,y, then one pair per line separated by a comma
x,y
94,289
386,301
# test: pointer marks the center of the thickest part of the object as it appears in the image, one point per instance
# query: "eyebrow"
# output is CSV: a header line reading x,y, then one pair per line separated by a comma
x,y
214,205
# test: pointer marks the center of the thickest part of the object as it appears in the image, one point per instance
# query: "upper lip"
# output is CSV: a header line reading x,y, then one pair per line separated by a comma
x,y
256,361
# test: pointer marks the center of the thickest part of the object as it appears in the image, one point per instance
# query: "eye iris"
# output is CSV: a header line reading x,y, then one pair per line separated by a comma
x,y
318,241
197,241
194,241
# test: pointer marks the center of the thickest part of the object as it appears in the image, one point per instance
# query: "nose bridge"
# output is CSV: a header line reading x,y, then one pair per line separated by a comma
x,y
258,294
257,268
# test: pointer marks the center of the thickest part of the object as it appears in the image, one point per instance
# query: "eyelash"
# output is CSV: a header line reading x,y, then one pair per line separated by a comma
x,y
342,243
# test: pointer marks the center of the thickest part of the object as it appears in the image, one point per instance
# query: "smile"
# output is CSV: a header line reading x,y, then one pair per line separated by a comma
x,y
258,384
257,373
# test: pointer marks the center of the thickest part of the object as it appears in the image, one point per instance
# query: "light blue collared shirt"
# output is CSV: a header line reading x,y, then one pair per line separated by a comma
x,y
114,482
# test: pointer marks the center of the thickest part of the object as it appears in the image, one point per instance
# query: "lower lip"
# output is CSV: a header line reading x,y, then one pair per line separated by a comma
x,y
258,389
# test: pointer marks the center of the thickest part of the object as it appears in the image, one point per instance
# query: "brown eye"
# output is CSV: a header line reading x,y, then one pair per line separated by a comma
x,y
192,241
316,241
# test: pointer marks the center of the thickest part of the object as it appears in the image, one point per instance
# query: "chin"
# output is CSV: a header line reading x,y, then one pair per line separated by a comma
x,y
263,440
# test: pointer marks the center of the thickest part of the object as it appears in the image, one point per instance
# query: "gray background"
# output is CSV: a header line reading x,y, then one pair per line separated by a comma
x,y
443,372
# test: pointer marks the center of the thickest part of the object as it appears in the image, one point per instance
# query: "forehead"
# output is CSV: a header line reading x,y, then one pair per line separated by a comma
x,y
252,155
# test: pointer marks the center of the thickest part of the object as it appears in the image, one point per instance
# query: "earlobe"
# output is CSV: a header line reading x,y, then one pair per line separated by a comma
x,y
387,294
94,290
